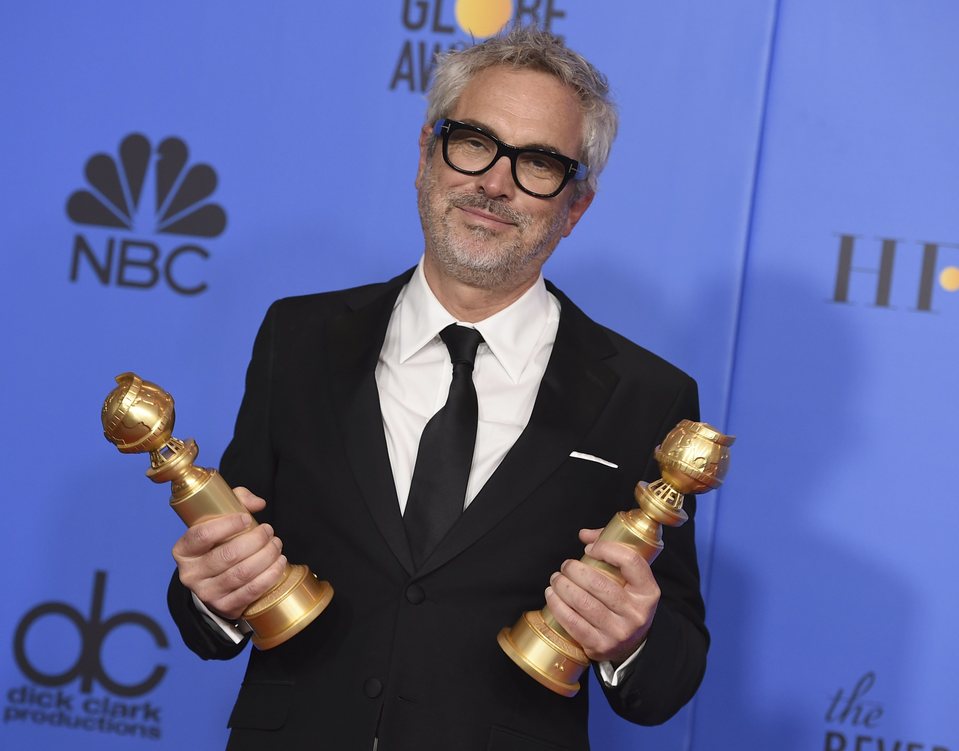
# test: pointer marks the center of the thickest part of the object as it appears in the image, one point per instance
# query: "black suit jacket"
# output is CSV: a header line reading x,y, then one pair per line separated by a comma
x,y
410,656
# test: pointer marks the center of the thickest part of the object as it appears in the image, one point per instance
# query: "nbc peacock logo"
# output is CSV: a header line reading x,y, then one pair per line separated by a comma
x,y
138,207
434,26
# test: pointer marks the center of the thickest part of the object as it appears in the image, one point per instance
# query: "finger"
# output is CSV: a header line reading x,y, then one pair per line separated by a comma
x,y
237,550
232,580
604,593
235,601
587,536
576,626
203,537
197,573
250,501
603,633
633,567
605,602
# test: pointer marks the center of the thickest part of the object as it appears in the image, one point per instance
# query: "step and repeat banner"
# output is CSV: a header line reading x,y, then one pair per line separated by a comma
x,y
777,219
833,591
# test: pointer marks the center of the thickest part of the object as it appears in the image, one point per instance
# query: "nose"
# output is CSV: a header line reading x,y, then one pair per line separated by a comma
x,y
497,181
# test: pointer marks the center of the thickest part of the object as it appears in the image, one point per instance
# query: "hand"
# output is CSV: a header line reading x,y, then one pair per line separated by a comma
x,y
608,619
229,562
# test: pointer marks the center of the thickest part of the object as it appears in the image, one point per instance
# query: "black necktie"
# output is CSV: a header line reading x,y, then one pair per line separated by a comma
x,y
442,470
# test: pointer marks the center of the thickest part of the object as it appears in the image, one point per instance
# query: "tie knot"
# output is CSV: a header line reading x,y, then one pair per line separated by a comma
x,y
462,343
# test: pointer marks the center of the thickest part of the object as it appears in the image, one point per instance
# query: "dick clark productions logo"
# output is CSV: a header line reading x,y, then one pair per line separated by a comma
x,y
147,200
46,702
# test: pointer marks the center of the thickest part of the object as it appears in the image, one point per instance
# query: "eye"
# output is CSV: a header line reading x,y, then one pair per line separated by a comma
x,y
539,165
475,143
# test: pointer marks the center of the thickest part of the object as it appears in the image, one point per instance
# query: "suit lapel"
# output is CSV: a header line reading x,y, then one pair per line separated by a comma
x,y
575,388
354,341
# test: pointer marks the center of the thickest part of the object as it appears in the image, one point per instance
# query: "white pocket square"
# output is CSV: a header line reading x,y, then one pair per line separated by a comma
x,y
591,458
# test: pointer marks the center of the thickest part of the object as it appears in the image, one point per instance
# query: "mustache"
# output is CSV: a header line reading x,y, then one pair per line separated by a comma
x,y
496,208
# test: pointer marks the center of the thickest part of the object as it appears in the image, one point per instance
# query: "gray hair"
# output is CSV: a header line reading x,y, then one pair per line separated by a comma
x,y
529,47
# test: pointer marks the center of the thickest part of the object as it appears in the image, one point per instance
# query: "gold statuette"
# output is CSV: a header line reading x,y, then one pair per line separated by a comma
x,y
693,459
138,417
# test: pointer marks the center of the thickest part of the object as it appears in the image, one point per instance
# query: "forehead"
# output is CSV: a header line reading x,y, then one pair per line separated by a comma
x,y
523,108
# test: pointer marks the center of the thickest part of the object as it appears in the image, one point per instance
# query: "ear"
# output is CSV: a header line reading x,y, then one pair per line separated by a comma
x,y
576,210
426,138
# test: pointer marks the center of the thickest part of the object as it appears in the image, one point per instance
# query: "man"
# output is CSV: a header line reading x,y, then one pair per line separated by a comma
x,y
341,388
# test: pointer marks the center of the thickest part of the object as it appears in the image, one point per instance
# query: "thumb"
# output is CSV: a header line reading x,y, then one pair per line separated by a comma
x,y
250,501
587,536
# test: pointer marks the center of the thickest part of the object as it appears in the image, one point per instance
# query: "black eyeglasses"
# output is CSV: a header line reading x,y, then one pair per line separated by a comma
x,y
473,151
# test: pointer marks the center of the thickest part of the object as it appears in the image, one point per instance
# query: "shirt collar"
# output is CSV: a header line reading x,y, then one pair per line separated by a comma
x,y
512,334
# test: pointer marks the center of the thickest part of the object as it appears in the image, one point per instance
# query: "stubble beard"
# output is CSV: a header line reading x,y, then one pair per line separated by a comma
x,y
475,255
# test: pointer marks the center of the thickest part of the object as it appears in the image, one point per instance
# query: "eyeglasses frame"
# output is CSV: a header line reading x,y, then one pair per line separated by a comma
x,y
574,170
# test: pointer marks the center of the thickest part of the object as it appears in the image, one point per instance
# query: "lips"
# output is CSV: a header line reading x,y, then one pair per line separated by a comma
x,y
486,212
485,217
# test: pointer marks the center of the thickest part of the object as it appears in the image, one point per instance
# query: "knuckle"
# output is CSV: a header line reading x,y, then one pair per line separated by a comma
x,y
201,533
604,586
583,601
200,537
186,579
623,555
179,545
205,592
250,592
599,642
227,554
621,633
240,574
264,534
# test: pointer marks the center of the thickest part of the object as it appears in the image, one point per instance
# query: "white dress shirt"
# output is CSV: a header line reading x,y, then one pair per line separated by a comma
x,y
414,372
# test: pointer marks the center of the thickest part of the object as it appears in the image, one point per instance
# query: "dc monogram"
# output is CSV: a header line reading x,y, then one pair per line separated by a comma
x,y
93,631
122,196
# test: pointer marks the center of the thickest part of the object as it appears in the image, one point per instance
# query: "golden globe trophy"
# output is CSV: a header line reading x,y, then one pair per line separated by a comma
x,y
138,417
693,459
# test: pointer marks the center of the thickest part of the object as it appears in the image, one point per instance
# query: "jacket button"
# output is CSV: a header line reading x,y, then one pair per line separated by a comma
x,y
415,594
372,687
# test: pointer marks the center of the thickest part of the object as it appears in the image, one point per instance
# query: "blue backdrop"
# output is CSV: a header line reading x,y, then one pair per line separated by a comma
x,y
777,219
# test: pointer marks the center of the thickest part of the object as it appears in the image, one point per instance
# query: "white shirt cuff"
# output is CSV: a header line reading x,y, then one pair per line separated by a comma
x,y
233,630
613,678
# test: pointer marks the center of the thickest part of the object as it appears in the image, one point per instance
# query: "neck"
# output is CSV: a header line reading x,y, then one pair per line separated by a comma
x,y
468,303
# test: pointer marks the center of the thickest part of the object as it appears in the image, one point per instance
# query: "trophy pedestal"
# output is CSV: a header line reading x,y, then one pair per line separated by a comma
x,y
536,643
288,608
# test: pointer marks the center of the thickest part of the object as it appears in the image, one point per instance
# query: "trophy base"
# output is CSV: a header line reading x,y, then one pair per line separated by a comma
x,y
548,657
288,608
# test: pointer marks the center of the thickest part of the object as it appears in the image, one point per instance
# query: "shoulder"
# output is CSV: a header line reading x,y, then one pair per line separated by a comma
x,y
633,359
304,312
629,360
